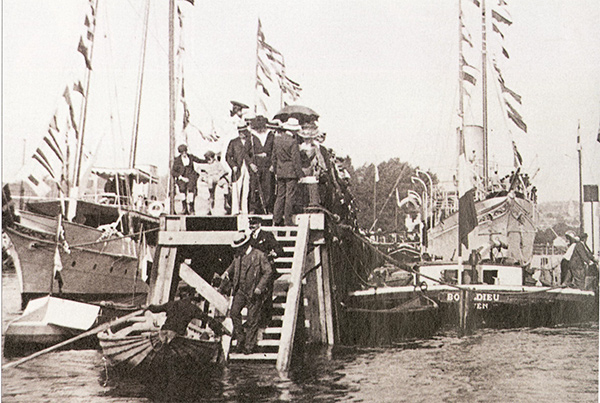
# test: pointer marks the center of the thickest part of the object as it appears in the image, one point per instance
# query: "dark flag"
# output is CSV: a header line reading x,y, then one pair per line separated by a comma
x,y
467,216
477,3
78,87
81,48
498,17
516,117
517,156
495,29
467,77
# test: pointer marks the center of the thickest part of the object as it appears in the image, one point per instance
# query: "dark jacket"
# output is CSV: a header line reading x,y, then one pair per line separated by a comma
x,y
186,171
179,314
237,153
286,158
265,242
263,153
249,272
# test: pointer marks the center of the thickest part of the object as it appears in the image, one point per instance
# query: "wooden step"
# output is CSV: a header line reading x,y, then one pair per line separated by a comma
x,y
253,357
263,343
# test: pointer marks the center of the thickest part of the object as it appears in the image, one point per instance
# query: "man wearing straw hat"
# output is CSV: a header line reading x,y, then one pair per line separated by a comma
x,y
249,274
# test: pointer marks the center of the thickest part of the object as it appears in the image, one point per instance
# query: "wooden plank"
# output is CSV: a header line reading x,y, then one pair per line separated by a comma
x,y
290,316
174,238
253,357
213,296
328,296
321,295
163,269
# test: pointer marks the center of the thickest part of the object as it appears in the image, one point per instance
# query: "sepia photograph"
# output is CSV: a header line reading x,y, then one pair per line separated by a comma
x,y
275,201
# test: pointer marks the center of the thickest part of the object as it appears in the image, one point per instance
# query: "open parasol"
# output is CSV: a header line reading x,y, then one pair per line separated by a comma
x,y
302,113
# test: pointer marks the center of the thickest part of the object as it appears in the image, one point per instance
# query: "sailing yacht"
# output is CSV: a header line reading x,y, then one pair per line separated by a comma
x,y
85,242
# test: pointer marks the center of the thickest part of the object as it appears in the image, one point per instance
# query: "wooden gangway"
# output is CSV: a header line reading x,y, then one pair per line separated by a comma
x,y
302,290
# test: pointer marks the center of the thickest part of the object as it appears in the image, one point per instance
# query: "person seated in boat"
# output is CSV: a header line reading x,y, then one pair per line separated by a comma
x,y
180,313
186,177
249,273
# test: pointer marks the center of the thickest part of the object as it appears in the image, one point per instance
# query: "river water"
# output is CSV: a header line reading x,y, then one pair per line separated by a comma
x,y
520,365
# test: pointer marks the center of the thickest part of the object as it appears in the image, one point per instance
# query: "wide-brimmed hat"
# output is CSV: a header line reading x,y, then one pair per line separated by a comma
x,y
274,124
310,130
240,239
292,125
571,235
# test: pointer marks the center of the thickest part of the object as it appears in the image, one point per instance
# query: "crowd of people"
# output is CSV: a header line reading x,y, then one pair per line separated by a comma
x,y
270,167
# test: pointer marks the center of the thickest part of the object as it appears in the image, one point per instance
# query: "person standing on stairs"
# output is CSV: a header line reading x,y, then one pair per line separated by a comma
x,y
249,273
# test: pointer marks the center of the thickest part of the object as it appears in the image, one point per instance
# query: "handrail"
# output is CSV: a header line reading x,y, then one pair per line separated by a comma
x,y
292,303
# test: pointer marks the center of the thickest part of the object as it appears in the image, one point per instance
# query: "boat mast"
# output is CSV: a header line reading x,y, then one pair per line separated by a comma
x,y
136,126
484,92
79,154
581,227
461,112
170,182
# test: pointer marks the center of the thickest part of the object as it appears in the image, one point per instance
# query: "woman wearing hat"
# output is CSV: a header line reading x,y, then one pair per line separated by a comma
x,y
249,273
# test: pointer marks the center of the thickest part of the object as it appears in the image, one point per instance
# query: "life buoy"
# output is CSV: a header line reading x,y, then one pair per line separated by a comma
x,y
155,209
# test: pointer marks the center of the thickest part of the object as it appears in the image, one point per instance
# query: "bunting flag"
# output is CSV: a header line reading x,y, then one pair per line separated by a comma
x,y
270,71
465,63
513,94
468,77
190,1
516,117
67,97
498,17
464,38
518,160
77,87
476,2
57,261
505,52
497,30
81,48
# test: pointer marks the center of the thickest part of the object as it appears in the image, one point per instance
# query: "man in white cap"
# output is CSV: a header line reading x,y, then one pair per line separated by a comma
x,y
288,170
249,274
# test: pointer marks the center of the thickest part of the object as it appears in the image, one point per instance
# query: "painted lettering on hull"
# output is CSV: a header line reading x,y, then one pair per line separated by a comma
x,y
482,297
453,297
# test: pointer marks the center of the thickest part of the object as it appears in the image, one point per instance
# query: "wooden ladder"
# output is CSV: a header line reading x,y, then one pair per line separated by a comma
x,y
277,342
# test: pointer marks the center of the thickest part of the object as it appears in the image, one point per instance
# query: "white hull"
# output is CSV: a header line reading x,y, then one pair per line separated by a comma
x,y
506,219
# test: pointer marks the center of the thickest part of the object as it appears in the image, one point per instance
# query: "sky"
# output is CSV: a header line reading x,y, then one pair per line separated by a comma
x,y
381,74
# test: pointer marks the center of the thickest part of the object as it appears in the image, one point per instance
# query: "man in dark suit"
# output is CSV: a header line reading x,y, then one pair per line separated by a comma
x,y
288,169
249,274
239,157
186,177
262,149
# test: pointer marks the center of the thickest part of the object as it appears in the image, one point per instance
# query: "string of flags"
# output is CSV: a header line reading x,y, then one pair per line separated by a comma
x,y
270,69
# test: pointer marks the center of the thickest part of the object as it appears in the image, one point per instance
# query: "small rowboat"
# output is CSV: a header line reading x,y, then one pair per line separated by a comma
x,y
156,350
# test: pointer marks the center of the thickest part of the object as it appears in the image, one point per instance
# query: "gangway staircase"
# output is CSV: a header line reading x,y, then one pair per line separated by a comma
x,y
278,339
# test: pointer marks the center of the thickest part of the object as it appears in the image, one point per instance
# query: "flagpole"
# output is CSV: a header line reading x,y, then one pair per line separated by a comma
x,y
172,110
484,92
256,68
581,227
461,115
375,196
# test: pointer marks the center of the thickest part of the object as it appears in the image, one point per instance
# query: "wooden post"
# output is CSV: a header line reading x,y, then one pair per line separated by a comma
x,y
463,312
216,299
321,295
162,276
328,296
288,330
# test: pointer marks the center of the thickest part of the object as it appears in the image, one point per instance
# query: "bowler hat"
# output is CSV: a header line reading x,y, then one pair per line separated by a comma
x,y
292,125
239,104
